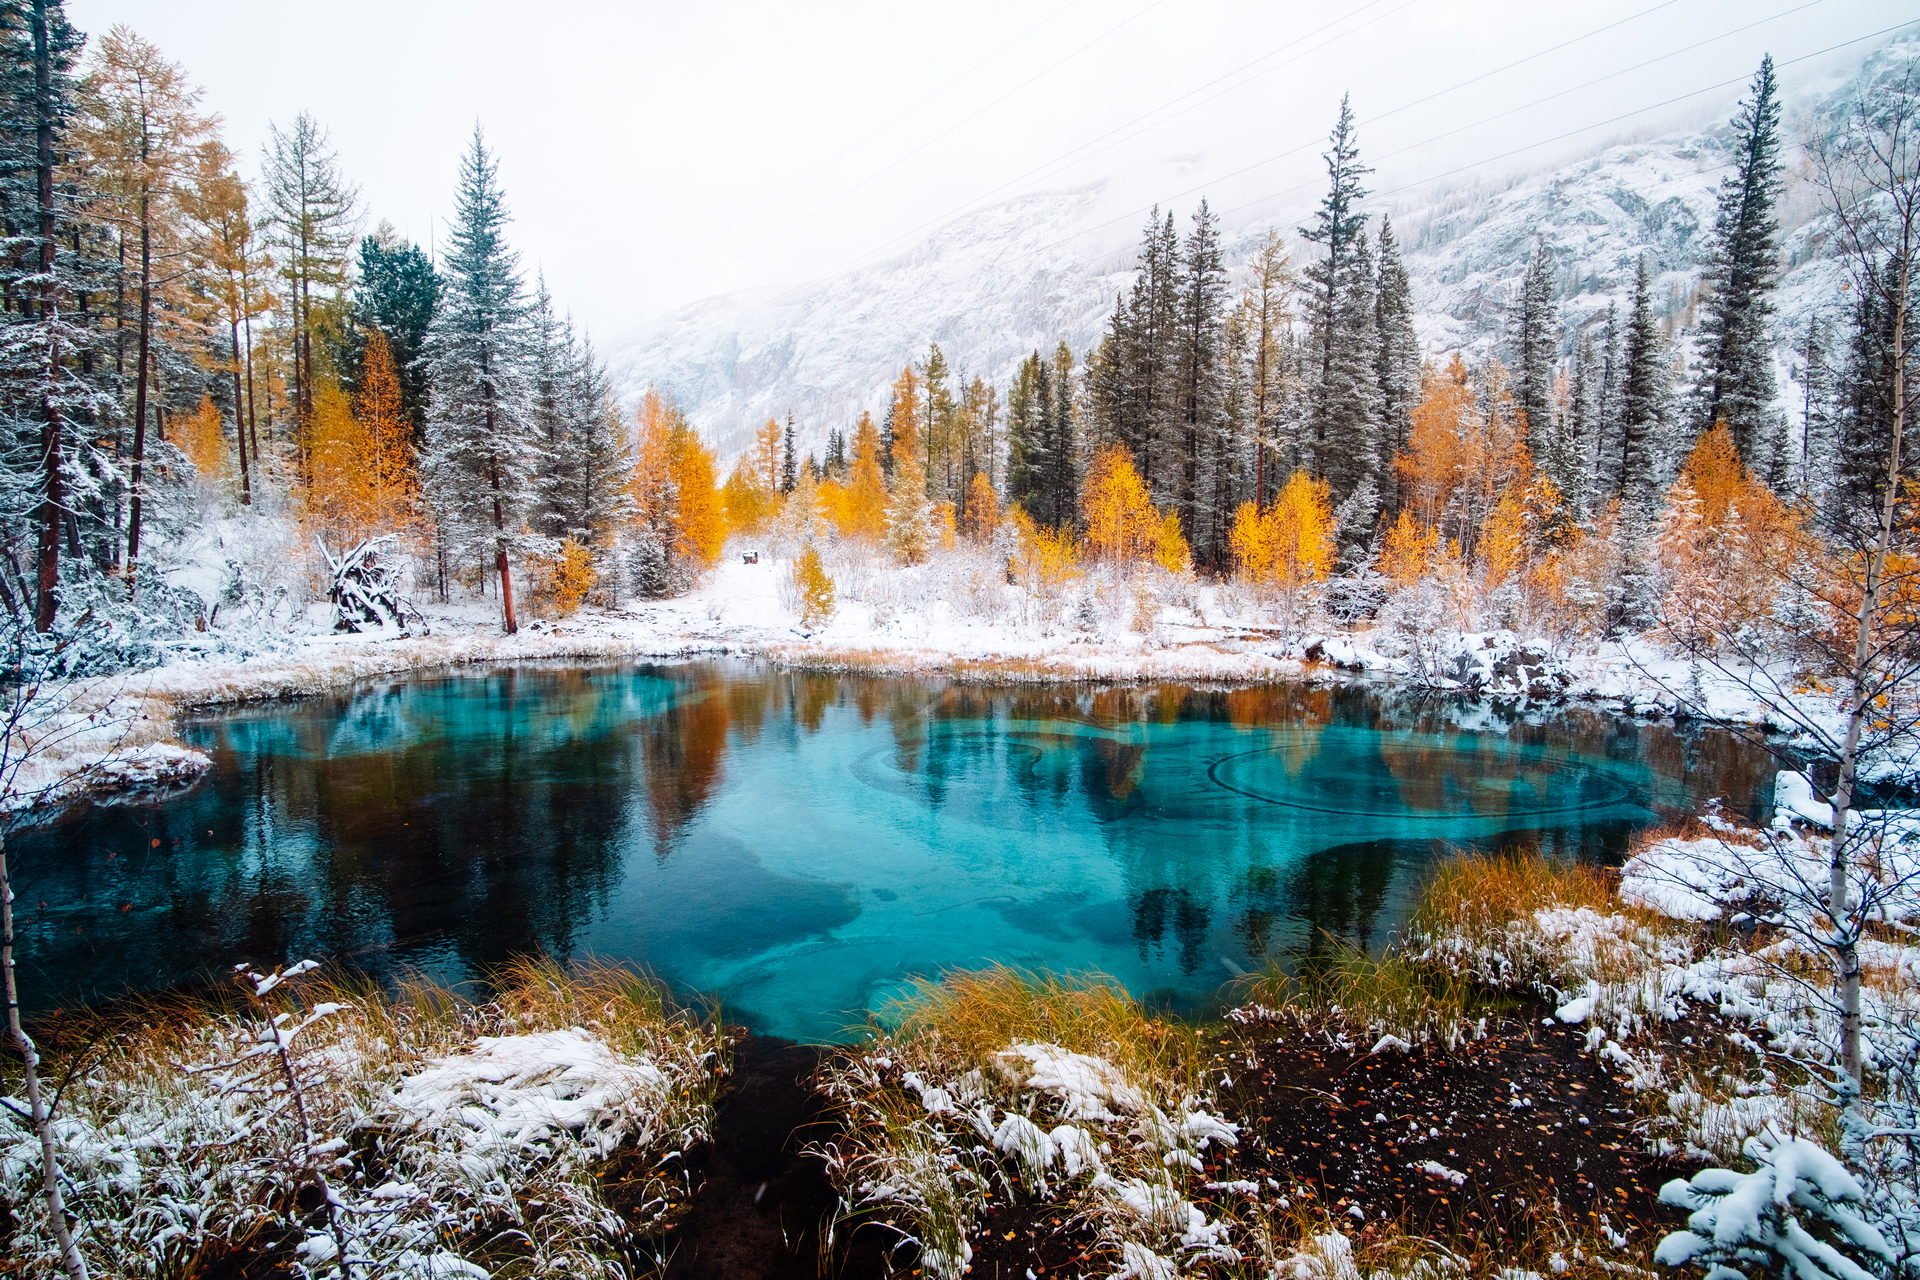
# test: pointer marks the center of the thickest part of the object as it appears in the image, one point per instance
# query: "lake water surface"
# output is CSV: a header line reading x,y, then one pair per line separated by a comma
x,y
799,844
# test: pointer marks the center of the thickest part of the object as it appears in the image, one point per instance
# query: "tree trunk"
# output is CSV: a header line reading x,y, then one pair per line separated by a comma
x,y
141,369
1860,694
500,551
52,495
41,1118
239,420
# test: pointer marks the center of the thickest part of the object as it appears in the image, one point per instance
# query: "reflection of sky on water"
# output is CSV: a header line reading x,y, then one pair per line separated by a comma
x,y
799,844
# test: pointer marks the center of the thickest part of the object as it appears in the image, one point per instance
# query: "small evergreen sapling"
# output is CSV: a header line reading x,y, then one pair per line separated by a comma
x,y
1797,1215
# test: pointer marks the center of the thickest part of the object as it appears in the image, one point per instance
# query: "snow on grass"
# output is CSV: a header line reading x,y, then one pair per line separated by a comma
x,y
421,1134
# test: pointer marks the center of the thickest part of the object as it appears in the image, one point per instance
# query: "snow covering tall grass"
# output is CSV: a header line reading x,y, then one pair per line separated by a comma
x,y
325,1128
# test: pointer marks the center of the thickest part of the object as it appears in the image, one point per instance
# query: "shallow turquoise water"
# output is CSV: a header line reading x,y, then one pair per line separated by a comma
x,y
798,844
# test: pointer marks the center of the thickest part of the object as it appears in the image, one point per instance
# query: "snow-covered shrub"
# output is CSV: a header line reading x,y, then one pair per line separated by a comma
x,y
422,1134
365,589
1798,1214
1067,1086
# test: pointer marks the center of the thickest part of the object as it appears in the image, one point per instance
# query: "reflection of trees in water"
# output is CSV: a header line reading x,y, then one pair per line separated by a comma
x,y
682,750
1342,891
1189,915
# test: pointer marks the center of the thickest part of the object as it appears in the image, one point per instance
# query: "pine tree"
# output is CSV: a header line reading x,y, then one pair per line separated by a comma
x,y
788,474
480,443
1814,471
835,466
1026,437
939,457
1342,410
1736,380
1200,397
46,397
1398,354
1060,479
1643,400
1573,465
310,214
1135,376
1267,315
1535,340
1607,448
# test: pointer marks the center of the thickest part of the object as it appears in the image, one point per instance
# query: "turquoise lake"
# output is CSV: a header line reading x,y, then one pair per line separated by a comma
x,y
797,845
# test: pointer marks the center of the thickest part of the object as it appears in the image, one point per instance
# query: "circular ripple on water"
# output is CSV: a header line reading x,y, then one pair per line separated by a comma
x,y
1418,778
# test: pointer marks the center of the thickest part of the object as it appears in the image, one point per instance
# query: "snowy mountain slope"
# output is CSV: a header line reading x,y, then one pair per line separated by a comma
x,y
1024,274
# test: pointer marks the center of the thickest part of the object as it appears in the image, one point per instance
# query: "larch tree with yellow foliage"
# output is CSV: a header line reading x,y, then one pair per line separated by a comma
x,y
1289,547
360,476
909,513
1121,522
980,518
863,513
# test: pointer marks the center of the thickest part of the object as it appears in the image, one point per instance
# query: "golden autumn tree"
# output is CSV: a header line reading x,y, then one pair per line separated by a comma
x,y
909,513
360,475
1120,519
700,518
1290,546
981,516
392,476
1467,445
1406,553
202,437
863,513
1721,540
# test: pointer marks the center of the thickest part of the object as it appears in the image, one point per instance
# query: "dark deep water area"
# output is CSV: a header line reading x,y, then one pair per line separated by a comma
x,y
799,845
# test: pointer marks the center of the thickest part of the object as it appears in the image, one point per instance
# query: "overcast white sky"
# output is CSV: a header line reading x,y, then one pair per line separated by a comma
x,y
655,153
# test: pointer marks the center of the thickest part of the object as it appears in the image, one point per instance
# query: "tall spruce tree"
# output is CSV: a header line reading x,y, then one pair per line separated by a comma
x,y
1060,481
1342,410
1397,352
480,443
1580,431
1813,471
789,470
1135,374
47,399
311,210
1534,342
1644,401
1736,378
1200,391
1267,316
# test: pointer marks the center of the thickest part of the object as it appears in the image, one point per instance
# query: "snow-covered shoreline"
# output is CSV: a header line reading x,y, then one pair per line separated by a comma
x,y
133,719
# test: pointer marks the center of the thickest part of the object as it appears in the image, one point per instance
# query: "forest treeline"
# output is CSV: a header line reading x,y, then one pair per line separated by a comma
x,y
185,345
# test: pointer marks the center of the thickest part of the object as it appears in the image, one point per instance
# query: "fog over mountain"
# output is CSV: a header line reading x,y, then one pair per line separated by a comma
x,y
993,285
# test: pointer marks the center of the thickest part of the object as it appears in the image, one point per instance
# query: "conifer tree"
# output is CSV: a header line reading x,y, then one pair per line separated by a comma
x,y
1342,409
1026,436
1813,472
1398,354
230,262
480,443
1135,377
1267,315
1643,400
1534,341
835,464
788,474
1200,392
47,398
310,215
1572,466
1060,479
909,513
1736,380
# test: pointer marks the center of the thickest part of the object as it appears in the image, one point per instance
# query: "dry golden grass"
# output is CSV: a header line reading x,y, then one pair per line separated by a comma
x,y
969,1017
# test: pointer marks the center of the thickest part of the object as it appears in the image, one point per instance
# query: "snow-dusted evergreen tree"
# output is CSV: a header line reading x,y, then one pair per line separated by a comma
x,y
1644,401
1572,463
1135,376
1813,470
1060,473
1534,341
1736,379
1343,422
1398,355
1200,387
481,447
48,403
589,468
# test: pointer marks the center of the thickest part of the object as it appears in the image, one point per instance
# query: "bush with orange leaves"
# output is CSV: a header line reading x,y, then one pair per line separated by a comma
x,y
1722,543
